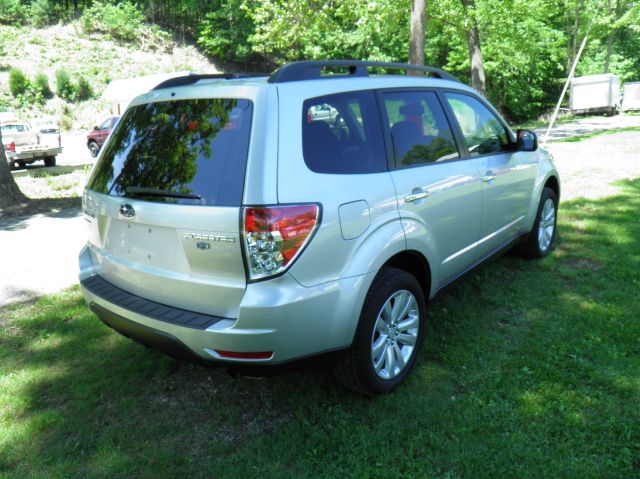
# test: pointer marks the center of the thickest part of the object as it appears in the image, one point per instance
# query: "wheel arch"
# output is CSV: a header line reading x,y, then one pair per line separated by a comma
x,y
414,263
553,183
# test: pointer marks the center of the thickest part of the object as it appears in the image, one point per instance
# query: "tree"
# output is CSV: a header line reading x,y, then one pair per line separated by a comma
x,y
417,34
10,194
473,43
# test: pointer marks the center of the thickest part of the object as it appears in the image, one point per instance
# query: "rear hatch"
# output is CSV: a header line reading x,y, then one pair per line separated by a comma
x,y
163,203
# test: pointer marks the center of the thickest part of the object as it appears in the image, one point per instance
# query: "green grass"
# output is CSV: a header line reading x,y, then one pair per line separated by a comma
x,y
588,136
530,369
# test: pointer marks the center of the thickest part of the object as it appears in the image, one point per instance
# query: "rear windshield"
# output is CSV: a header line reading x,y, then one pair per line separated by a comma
x,y
186,152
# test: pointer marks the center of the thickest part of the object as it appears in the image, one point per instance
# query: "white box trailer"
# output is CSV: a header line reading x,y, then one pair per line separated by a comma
x,y
595,94
631,96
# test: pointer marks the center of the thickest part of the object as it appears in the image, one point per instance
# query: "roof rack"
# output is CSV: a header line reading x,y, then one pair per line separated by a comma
x,y
312,70
192,78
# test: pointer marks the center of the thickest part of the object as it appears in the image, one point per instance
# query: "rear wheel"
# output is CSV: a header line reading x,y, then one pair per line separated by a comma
x,y
542,237
388,337
94,149
50,161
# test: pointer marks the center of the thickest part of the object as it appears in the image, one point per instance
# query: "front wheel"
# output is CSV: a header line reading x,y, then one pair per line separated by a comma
x,y
542,237
94,149
50,161
389,334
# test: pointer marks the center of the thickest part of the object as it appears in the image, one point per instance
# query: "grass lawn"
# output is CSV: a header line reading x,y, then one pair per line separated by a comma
x,y
530,369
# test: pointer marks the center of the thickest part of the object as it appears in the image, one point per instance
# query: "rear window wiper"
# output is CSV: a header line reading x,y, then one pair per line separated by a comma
x,y
140,191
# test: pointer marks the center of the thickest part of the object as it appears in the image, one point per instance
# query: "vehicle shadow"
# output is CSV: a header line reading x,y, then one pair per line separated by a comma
x,y
520,352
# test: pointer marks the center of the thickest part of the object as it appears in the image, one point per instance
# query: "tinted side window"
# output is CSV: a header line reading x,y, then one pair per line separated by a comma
x,y
420,131
341,134
186,151
483,133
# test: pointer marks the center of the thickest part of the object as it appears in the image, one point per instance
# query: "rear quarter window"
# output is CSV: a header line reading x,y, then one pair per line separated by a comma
x,y
342,134
195,151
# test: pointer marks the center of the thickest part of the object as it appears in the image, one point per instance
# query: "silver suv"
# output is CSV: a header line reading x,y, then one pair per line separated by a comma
x,y
229,225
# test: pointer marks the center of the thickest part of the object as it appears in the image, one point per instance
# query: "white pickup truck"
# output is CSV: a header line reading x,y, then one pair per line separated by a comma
x,y
22,145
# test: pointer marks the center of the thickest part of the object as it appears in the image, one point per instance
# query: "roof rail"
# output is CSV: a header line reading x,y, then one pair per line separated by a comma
x,y
312,70
192,78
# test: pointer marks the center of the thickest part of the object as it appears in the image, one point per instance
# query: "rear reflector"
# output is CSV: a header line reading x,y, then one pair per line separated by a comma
x,y
237,355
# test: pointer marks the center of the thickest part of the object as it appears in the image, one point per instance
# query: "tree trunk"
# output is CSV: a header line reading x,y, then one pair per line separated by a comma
x,y
610,37
10,194
576,25
473,43
76,12
568,33
475,55
416,35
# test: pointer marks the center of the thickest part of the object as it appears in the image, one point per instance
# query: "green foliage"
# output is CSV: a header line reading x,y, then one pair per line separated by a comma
x,y
18,82
123,21
12,12
83,89
225,31
41,85
41,13
65,122
305,29
64,88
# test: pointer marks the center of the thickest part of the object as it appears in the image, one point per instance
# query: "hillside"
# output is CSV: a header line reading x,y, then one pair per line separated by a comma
x,y
96,57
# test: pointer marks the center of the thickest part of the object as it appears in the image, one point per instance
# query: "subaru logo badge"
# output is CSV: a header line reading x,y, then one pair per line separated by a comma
x,y
127,210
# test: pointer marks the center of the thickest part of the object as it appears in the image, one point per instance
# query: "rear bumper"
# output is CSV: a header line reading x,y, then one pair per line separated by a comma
x,y
33,155
279,316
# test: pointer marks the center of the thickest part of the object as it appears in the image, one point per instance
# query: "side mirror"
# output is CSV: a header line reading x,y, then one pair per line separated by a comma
x,y
527,140
95,128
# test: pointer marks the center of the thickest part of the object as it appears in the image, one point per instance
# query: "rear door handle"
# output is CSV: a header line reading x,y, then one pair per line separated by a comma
x,y
488,178
416,196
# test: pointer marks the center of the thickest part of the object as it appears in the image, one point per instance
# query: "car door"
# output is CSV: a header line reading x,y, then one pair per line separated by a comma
x,y
508,175
438,191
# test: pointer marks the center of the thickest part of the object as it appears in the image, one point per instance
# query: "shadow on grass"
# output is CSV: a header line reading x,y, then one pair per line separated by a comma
x,y
530,369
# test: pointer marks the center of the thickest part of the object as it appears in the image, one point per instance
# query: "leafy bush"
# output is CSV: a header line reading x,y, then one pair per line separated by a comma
x,y
11,11
64,88
65,122
122,21
41,13
41,85
83,90
18,82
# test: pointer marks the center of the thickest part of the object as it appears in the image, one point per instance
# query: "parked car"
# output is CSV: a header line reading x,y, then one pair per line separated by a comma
x,y
24,146
99,134
227,228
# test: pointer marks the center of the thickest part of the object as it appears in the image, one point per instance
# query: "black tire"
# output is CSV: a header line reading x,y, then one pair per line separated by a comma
x,y
533,246
21,164
50,161
356,370
93,148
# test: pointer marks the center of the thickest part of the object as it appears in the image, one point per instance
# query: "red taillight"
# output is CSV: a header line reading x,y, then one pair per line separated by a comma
x,y
10,148
274,235
237,355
